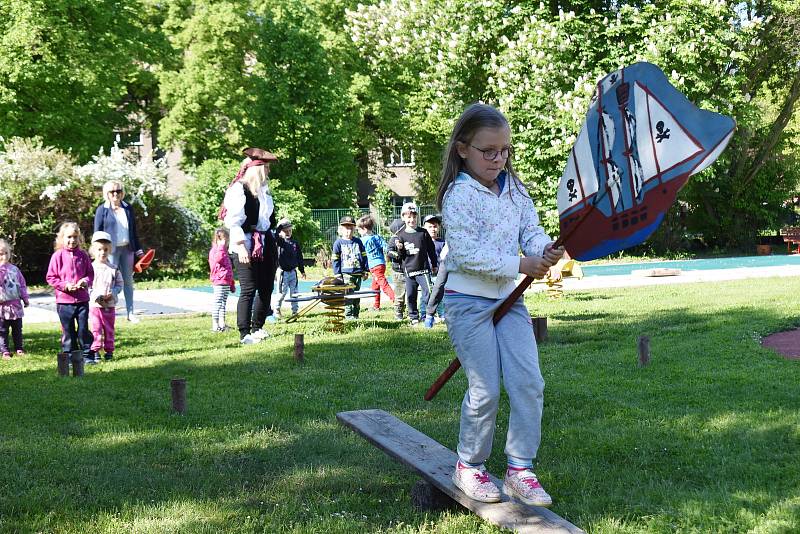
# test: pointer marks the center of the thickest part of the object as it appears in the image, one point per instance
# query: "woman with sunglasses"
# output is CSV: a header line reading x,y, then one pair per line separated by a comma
x,y
116,217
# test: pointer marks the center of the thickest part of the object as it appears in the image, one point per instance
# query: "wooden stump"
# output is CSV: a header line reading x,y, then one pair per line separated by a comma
x,y
427,497
77,362
63,364
644,351
299,348
178,386
540,329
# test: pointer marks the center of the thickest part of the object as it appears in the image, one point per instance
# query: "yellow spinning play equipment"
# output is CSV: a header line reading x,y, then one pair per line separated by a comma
x,y
331,292
564,268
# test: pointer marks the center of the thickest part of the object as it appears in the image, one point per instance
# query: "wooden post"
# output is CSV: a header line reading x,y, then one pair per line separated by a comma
x,y
540,329
178,395
644,351
63,364
299,347
427,497
77,362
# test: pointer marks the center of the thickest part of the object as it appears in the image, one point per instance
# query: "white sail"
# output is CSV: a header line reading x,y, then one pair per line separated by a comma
x,y
580,178
662,142
714,154
607,132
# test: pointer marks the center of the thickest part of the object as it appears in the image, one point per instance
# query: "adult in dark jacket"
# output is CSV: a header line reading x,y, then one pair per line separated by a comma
x,y
116,217
250,216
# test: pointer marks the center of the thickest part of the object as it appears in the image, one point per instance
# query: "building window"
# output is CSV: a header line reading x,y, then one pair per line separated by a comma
x,y
399,157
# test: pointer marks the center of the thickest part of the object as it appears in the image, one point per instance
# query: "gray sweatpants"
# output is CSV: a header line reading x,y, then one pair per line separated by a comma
x,y
488,352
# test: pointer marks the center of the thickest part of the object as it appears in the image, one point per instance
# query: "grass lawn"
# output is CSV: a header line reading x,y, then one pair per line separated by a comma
x,y
704,439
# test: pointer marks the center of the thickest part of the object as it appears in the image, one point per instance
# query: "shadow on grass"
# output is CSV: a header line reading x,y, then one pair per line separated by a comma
x,y
710,425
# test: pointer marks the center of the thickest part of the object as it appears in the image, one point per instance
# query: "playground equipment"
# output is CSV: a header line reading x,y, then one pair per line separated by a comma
x,y
332,293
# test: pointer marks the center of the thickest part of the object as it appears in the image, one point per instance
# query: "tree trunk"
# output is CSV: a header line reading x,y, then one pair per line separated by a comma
x,y
767,147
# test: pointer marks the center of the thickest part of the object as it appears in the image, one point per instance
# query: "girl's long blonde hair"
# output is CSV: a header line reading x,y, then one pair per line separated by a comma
x,y
254,178
475,117
62,230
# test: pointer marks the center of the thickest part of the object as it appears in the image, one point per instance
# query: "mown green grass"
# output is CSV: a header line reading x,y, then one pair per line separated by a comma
x,y
704,439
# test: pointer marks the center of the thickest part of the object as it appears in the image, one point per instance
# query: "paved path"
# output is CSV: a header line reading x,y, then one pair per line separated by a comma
x,y
147,302
151,302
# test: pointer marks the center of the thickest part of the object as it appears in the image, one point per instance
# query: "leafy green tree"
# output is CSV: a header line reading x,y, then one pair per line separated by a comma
x,y
258,75
72,73
540,64
205,190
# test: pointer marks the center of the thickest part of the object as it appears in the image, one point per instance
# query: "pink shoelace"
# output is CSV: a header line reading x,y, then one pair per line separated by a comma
x,y
482,477
531,482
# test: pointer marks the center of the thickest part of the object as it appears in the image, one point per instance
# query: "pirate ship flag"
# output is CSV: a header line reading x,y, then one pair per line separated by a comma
x,y
639,144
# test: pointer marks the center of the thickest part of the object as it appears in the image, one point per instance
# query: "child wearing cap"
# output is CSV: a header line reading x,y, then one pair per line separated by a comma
x,y
290,260
376,259
433,225
350,262
417,254
106,286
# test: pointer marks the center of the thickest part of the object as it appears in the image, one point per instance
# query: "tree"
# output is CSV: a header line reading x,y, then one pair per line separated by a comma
x,y
258,75
67,69
539,65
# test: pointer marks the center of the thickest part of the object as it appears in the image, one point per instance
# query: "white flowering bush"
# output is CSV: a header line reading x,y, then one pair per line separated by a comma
x,y
540,67
142,179
162,223
41,187
38,190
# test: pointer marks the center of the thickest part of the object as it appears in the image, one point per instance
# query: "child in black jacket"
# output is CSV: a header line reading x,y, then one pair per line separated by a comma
x,y
417,254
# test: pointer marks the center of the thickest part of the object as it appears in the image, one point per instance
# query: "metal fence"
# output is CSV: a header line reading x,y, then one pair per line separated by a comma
x,y
328,219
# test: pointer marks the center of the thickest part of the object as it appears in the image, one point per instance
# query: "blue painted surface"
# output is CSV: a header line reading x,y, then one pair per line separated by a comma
x,y
693,265
304,286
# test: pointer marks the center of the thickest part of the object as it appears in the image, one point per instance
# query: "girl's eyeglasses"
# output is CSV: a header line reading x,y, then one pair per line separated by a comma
x,y
115,192
489,154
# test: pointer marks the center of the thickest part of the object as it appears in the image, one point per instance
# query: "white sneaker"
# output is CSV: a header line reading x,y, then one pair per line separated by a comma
x,y
260,335
526,488
132,318
249,340
476,483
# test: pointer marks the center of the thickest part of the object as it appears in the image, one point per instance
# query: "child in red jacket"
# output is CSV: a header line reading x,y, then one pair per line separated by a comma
x,y
70,273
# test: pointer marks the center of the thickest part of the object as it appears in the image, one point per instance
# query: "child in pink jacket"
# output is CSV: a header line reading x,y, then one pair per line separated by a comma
x,y
103,297
13,296
70,274
221,277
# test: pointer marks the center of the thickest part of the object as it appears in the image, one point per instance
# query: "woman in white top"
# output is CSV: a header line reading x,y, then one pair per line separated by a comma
x,y
116,217
250,215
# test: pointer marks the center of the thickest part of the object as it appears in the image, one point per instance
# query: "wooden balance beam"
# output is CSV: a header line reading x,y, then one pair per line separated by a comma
x,y
435,463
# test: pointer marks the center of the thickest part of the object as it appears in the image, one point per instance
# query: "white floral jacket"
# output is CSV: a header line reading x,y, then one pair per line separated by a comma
x,y
485,233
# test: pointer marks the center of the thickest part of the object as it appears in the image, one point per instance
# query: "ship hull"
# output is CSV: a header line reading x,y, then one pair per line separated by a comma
x,y
590,234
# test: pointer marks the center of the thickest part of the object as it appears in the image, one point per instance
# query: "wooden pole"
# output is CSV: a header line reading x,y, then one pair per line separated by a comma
x,y
540,329
178,386
77,362
644,351
442,379
63,364
299,348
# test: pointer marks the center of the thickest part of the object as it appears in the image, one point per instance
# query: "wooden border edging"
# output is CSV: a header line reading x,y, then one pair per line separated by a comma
x,y
434,463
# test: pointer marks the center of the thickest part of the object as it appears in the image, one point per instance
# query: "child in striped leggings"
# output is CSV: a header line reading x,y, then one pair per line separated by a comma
x,y
221,277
